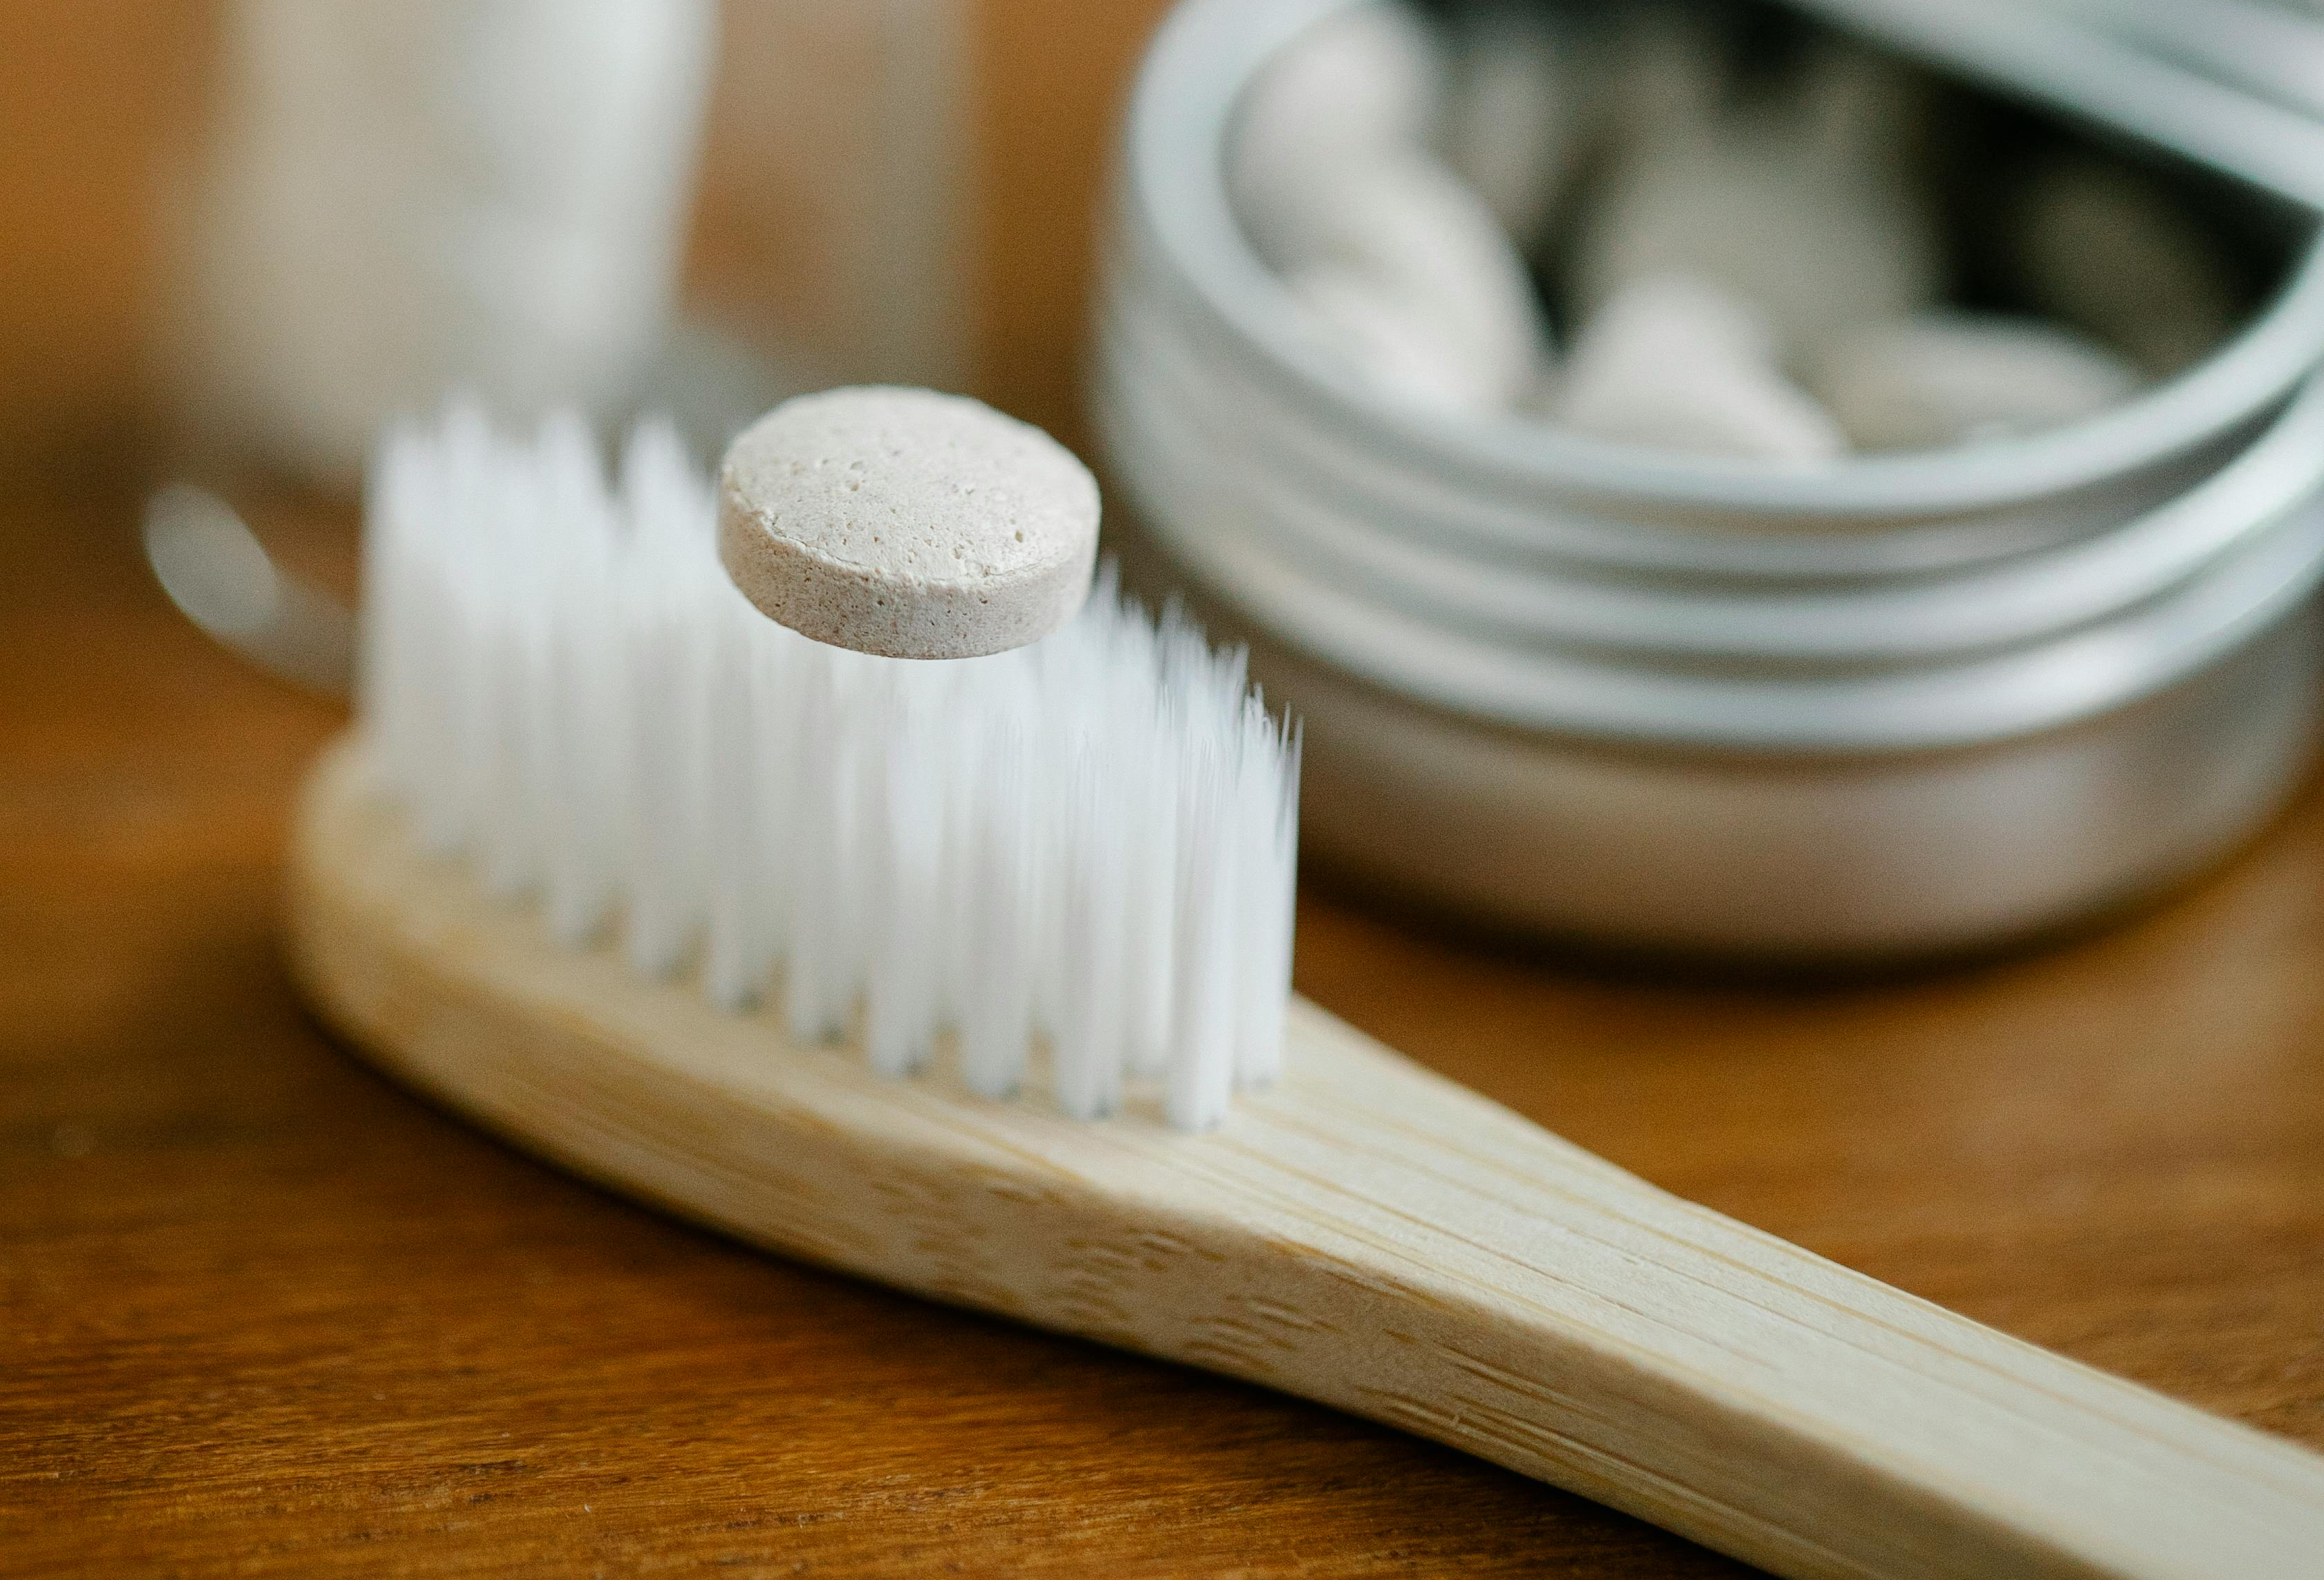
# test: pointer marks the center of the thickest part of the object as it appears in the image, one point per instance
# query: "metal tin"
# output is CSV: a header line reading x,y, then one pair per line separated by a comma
x,y
1895,706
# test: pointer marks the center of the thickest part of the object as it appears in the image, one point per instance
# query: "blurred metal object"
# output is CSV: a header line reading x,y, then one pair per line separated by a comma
x,y
2235,86
2273,47
221,577
1898,706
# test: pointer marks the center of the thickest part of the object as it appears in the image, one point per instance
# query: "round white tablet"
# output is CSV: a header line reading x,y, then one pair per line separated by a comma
x,y
906,523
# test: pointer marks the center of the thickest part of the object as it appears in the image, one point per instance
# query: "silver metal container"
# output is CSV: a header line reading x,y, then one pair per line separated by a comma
x,y
1893,706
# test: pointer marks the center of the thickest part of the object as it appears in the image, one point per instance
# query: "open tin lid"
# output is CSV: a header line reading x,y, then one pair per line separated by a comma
x,y
2234,85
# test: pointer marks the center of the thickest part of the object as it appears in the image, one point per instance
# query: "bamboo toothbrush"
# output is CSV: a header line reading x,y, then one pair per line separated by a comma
x,y
597,807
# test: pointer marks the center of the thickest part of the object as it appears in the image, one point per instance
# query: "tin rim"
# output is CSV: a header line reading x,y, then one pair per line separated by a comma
x,y
1207,477
1978,701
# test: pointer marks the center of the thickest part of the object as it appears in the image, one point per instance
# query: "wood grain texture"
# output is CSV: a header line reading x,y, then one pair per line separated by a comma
x,y
1363,1232
264,1313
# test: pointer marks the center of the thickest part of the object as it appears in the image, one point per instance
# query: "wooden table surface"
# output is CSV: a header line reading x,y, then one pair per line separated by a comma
x,y
263,1312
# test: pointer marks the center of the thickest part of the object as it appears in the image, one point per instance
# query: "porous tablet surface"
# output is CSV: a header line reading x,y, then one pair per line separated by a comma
x,y
906,523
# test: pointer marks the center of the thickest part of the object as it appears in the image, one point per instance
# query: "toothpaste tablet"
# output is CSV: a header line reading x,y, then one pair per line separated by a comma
x,y
906,523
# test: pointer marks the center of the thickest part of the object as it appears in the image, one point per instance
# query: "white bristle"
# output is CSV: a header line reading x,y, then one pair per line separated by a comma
x,y
1086,845
999,921
903,990
582,876
1201,1072
1089,1047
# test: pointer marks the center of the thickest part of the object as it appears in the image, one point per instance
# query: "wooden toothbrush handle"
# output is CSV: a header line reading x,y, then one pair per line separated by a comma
x,y
1537,1306
1365,1233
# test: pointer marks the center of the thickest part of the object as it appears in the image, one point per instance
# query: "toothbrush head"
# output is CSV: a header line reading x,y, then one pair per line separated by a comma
x,y
1067,865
